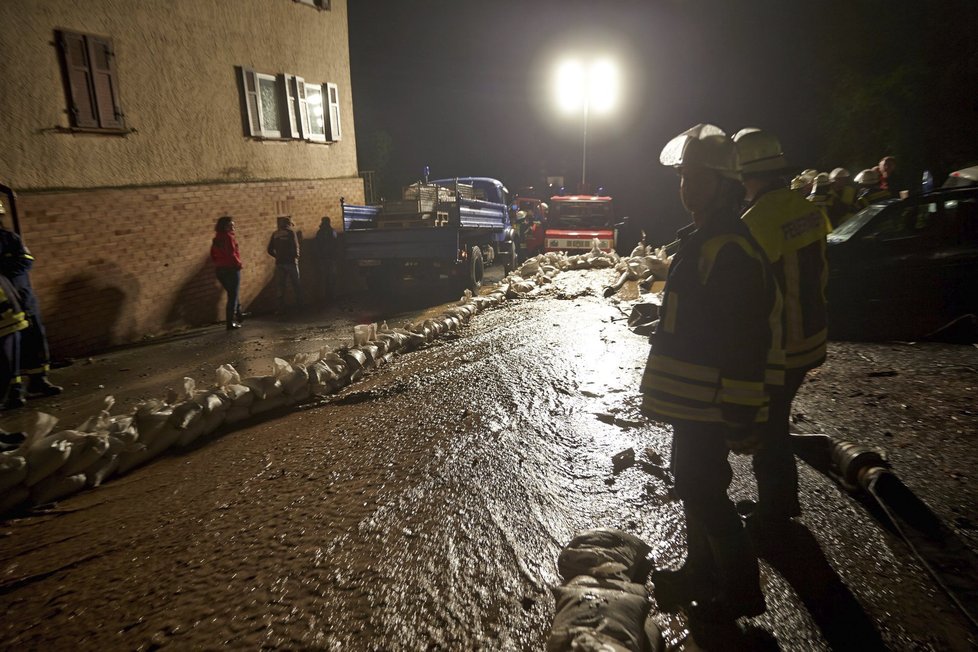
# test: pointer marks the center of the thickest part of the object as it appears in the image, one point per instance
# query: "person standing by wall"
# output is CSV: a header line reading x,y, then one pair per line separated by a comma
x,y
284,247
792,233
326,250
16,262
717,336
227,264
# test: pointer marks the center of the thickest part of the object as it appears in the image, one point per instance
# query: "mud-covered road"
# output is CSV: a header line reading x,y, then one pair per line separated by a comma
x,y
424,507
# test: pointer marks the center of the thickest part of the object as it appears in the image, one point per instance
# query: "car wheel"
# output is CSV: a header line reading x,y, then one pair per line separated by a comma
x,y
474,281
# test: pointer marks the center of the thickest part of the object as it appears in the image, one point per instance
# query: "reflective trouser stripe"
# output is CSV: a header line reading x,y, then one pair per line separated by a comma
x,y
804,358
43,369
685,390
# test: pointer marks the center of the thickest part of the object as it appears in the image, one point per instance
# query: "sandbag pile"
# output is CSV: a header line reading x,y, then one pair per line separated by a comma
x,y
541,270
48,466
603,604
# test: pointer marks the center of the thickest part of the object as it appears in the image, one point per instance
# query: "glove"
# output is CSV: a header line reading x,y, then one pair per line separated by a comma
x,y
743,439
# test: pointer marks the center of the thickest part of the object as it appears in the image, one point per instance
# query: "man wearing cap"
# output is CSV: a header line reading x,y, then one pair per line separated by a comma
x,y
705,375
792,233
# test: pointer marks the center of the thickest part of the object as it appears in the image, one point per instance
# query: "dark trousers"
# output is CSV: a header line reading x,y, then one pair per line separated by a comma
x,y
35,356
327,274
774,464
230,278
9,362
702,473
287,274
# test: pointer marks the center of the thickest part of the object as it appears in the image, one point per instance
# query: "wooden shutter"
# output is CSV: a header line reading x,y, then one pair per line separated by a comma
x,y
251,105
301,108
334,131
105,82
78,78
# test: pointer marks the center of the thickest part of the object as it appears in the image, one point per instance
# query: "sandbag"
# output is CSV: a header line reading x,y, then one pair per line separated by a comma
x,y
13,471
86,450
294,380
56,487
156,433
102,470
590,607
592,548
13,498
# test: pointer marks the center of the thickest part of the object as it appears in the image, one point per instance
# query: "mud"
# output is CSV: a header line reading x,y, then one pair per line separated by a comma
x,y
425,507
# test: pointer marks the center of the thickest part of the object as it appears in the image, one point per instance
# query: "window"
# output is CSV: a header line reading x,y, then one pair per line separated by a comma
x,y
286,106
91,81
322,5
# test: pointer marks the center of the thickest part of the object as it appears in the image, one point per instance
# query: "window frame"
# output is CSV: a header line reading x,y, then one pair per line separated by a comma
x,y
91,89
294,119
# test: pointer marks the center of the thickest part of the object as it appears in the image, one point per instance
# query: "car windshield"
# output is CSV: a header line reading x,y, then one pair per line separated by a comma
x,y
846,230
581,214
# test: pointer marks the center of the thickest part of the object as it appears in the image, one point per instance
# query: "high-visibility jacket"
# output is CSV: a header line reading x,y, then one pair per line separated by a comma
x,y
717,345
844,204
12,317
792,233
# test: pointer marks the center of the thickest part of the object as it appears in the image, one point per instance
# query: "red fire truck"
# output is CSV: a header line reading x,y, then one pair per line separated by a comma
x,y
575,220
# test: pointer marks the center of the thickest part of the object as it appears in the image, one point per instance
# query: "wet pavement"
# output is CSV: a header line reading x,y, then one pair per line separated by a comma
x,y
424,507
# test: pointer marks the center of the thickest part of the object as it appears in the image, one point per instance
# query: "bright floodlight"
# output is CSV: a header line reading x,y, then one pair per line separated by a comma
x,y
593,87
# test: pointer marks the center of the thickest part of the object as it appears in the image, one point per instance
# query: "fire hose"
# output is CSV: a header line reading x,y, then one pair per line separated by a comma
x,y
859,468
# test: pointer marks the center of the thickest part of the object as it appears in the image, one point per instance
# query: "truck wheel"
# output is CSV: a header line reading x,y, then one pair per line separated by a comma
x,y
474,281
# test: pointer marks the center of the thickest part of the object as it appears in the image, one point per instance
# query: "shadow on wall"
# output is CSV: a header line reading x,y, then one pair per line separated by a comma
x,y
88,314
198,301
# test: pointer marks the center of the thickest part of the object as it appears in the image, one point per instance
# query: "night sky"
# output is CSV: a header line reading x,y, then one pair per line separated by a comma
x,y
466,87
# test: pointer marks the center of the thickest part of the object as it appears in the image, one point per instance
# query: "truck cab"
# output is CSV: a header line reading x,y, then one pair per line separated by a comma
x,y
575,220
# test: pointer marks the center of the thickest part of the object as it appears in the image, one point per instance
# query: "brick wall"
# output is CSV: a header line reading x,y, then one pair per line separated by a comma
x,y
115,266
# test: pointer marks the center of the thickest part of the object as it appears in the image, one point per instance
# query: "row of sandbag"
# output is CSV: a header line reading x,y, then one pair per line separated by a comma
x,y
603,603
541,269
50,465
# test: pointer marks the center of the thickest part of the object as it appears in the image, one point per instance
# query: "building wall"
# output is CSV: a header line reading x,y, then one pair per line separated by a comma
x,y
119,265
121,224
178,89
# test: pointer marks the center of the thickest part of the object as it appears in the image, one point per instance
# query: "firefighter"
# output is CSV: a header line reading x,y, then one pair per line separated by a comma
x,y
792,233
869,188
804,181
821,194
524,225
35,359
706,372
13,322
844,205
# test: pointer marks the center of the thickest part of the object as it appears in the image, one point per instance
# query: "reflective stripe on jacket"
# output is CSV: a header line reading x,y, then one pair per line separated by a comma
x,y
792,233
718,340
12,317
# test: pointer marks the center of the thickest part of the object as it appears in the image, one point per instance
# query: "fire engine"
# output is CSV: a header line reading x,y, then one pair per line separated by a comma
x,y
575,220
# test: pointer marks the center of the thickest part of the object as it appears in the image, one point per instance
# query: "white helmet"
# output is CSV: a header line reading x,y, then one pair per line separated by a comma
x,y
805,178
703,145
759,151
520,216
838,173
821,180
868,177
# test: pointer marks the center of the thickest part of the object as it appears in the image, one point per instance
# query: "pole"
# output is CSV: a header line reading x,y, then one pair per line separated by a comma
x,y
587,106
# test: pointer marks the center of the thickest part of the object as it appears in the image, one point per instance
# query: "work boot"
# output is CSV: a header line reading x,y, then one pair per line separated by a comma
x,y
694,580
758,516
42,386
16,397
739,581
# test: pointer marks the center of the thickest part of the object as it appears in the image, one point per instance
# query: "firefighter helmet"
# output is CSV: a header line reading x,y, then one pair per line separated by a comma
x,y
704,145
838,173
821,180
758,151
805,178
868,177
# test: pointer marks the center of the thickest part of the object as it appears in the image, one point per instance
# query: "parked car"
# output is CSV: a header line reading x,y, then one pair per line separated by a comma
x,y
905,268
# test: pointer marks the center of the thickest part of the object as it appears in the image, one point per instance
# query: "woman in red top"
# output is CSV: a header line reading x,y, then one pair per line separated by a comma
x,y
227,261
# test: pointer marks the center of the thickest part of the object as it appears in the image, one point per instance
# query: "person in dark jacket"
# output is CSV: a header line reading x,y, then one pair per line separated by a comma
x,y
13,322
16,262
716,346
284,247
326,247
227,265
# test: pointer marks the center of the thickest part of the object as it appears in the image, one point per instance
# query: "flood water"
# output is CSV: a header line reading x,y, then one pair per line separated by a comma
x,y
424,508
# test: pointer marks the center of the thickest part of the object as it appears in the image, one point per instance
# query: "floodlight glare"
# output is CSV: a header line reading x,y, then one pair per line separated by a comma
x,y
593,87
